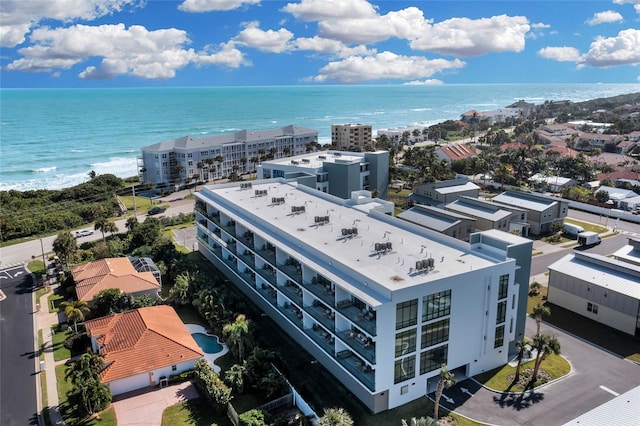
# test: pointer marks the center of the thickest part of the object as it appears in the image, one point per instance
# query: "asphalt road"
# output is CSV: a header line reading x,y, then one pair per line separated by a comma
x,y
18,403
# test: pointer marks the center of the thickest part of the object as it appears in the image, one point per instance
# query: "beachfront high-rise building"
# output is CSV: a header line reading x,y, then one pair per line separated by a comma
x,y
212,157
351,137
338,173
381,303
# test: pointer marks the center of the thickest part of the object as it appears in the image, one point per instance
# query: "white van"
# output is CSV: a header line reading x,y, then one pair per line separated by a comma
x,y
588,238
572,230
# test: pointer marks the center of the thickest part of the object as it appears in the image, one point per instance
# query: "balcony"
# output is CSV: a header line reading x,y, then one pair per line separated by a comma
x,y
322,292
249,276
269,293
363,318
268,274
247,257
231,246
231,261
247,239
322,337
359,369
268,254
230,228
292,291
292,313
322,314
293,269
363,345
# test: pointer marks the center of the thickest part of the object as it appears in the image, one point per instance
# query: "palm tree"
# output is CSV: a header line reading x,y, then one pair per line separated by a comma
x,y
243,161
131,223
538,312
522,346
447,379
209,163
87,391
75,311
236,333
92,174
335,417
87,366
64,246
179,293
235,376
254,160
219,159
422,421
544,346
105,225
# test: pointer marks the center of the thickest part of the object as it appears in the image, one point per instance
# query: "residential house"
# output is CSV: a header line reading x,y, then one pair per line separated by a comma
x,y
135,276
551,183
380,302
440,220
455,151
443,192
490,215
543,211
336,172
142,347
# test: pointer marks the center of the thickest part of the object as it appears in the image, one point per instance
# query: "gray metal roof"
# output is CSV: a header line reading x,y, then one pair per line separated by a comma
x,y
526,200
478,208
623,410
432,217
615,275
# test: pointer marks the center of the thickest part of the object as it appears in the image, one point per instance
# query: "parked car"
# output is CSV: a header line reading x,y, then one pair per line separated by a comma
x,y
84,233
156,210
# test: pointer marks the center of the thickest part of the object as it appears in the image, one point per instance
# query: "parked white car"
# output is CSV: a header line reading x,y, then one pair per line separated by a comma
x,y
84,233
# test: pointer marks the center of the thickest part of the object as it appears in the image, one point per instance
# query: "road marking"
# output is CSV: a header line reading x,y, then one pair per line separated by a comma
x,y
606,389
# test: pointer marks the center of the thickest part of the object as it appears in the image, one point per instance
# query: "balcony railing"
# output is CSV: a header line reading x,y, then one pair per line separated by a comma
x,y
326,294
267,274
360,343
294,314
323,338
292,291
293,271
358,368
269,292
364,320
323,315
267,254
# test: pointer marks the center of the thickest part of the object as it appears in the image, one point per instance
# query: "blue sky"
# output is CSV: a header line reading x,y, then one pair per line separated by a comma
x,y
139,43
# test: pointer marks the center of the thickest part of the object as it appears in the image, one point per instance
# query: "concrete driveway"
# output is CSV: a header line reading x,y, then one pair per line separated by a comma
x,y
145,407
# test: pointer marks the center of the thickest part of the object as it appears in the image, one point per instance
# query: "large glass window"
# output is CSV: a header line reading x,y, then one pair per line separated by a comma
x,y
406,314
502,312
503,288
434,333
404,369
499,341
433,359
405,342
436,305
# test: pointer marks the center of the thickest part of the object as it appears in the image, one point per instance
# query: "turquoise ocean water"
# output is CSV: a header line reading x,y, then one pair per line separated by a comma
x,y
52,138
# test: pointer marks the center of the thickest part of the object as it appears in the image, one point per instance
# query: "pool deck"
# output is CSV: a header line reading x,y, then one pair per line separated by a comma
x,y
195,328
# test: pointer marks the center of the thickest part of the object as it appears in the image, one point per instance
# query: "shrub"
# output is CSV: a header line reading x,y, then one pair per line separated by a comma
x,y
252,418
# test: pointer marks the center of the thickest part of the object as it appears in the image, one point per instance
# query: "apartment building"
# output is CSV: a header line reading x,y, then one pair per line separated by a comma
x,y
212,157
351,137
443,192
335,172
380,302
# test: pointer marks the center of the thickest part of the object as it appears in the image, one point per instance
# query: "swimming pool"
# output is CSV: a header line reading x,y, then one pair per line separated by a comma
x,y
209,344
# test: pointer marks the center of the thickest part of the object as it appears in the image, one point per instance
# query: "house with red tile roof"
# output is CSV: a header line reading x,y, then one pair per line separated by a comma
x,y
142,346
93,277
455,151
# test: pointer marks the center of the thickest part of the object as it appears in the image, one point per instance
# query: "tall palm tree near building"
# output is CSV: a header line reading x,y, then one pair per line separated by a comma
x,y
447,379
209,163
131,223
243,161
236,334
219,159
74,311
234,376
522,345
544,346
87,392
335,417
272,152
261,153
178,168
538,312
254,160
64,246
200,166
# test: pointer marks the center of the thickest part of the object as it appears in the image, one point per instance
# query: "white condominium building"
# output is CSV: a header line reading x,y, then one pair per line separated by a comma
x,y
380,302
212,157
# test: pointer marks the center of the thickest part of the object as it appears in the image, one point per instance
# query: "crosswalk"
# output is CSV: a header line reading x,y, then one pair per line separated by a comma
x,y
10,265
629,233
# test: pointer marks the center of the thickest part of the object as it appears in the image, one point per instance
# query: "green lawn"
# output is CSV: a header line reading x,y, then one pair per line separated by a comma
x,y
194,412
58,337
54,300
555,365
587,225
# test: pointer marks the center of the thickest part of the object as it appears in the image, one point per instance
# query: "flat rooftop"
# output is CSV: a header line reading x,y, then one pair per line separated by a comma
x,y
302,237
316,160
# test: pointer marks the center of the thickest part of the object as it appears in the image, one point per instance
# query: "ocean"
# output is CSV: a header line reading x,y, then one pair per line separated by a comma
x,y
52,138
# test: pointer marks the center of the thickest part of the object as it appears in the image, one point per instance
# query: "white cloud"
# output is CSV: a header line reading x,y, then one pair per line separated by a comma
x,y
134,51
471,37
540,25
19,16
561,54
623,49
383,66
332,47
606,17
267,41
211,5
428,82
319,10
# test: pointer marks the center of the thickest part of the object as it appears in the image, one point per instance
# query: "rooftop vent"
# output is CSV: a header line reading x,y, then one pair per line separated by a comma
x,y
383,247
245,185
277,200
322,157
306,160
321,220
425,264
298,209
260,192
294,162
349,232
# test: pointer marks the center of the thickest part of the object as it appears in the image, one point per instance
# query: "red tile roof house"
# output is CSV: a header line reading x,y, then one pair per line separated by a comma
x,y
93,277
142,346
455,151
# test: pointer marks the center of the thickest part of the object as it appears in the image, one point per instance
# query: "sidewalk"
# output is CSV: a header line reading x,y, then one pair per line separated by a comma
x,y
44,321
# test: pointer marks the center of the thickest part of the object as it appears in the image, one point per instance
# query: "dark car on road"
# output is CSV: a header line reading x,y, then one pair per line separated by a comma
x,y
156,210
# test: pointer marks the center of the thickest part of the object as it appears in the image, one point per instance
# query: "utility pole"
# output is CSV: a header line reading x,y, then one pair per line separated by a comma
x,y
133,189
